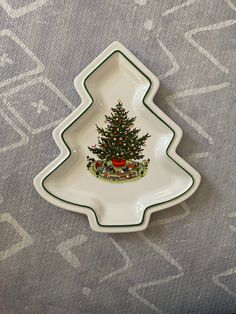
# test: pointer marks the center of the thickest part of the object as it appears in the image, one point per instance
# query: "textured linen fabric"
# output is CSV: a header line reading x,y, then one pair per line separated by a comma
x,y
50,259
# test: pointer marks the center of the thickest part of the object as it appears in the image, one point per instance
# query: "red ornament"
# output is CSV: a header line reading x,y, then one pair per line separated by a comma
x,y
120,143
98,164
132,166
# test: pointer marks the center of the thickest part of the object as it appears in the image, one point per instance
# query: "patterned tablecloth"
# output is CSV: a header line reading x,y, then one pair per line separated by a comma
x,y
50,260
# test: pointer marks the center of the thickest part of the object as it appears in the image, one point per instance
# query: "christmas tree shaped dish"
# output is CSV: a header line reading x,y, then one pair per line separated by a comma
x,y
118,161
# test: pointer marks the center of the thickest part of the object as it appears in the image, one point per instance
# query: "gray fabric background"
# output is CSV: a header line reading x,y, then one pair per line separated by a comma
x,y
50,260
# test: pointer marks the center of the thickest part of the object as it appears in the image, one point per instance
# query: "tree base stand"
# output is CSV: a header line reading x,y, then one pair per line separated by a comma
x,y
106,170
118,163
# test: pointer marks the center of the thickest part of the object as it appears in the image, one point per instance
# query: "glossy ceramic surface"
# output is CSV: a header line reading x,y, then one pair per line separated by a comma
x,y
66,182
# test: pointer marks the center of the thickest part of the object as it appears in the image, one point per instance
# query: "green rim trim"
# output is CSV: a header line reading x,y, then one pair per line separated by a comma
x,y
92,101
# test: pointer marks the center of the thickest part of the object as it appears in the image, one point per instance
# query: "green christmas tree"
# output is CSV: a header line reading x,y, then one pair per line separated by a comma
x,y
120,139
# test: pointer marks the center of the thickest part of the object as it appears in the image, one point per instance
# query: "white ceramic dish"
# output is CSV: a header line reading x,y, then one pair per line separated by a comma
x,y
111,207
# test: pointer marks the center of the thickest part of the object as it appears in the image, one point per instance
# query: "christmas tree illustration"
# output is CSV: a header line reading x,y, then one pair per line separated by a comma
x,y
119,148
